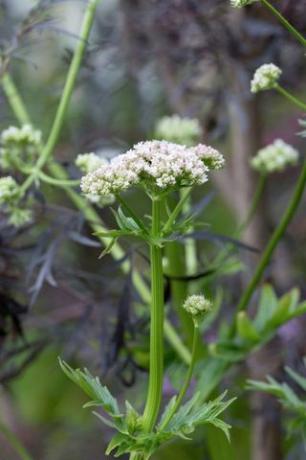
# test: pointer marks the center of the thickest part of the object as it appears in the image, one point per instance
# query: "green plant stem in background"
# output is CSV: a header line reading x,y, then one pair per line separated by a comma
x,y
188,377
67,92
290,97
284,22
156,323
276,236
92,216
14,442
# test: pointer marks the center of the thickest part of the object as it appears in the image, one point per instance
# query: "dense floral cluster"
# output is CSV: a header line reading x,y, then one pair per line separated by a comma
x,y
197,306
10,195
265,77
157,165
19,146
241,3
181,130
275,157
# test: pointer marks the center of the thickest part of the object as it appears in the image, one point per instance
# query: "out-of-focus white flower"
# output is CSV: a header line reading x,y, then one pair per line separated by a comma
x,y
210,156
19,146
275,157
156,165
197,306
265,77
9,190
181,130
19,217
88,162
241,3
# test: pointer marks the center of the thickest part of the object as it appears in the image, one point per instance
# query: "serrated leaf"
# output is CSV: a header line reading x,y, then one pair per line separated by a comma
x,y
301,381
168,409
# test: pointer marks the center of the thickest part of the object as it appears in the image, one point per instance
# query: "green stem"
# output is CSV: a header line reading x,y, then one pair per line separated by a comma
x,y
188,377
14,442
58,182
290,97
67,91
276,236
174,214
156,324
285,22
93,219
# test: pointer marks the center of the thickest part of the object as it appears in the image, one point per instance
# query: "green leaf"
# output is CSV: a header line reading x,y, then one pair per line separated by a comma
x,y
168,409
92,386
267,305
301,381
285,305
245,328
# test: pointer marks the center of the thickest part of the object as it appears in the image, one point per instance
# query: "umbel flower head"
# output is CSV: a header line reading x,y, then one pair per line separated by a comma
x,y
197,306
19,146
275,157
265,77
241,3
158,166
182,130
10,195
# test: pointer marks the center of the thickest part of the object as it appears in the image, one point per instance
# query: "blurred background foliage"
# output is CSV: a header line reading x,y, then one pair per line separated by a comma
x,y
144,59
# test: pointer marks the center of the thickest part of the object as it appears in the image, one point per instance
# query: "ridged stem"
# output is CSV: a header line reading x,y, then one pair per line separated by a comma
x,y
156,324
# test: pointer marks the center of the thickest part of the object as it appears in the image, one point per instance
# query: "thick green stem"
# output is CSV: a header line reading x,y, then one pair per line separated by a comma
x,y
188,377
156,324
276,236
285,22
301,105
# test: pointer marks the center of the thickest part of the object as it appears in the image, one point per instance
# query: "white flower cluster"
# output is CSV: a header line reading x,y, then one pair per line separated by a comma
x,y
197,305
275,157
265,77
157,165
9,190
88,162
19,146
9,200
181,130
241,3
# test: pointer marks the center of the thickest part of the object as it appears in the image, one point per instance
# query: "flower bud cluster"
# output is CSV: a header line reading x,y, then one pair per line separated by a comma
x,y
181,130
19,146
197,306
10,196
158,166
275,157
265,77
88,162
241,3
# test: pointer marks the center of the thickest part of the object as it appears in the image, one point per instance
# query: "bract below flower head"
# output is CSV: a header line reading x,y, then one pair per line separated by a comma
x,y
241,3
158,166
275,157
265,77
182,130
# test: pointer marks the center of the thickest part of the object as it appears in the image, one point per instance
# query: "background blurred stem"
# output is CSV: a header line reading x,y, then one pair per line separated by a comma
x,y
290,97
14,442
92,217
275,238
284,22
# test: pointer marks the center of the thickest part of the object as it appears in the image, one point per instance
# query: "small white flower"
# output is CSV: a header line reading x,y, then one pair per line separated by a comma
x,y
156,165
275,157
19,217
181,130
197,306
9,190
265,77
210,156
19,146
241,3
